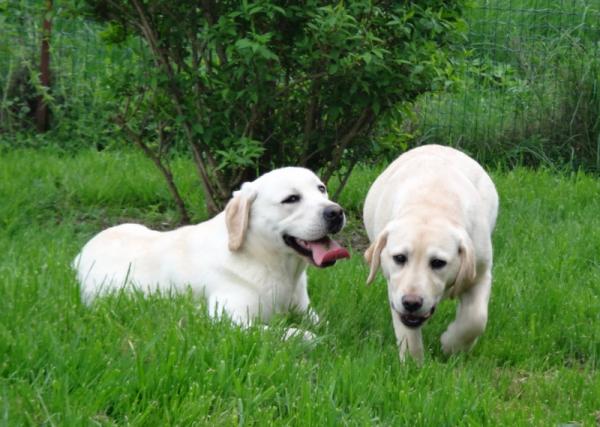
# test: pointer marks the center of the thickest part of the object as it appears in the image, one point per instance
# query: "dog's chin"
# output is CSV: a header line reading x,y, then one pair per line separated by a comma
x,y
323,252
413,321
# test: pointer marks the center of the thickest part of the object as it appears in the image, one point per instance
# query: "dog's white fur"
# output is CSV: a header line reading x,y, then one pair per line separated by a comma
x,y
237,260
433,202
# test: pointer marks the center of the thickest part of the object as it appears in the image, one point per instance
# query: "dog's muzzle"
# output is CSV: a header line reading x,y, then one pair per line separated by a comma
x,y
325,251
413,320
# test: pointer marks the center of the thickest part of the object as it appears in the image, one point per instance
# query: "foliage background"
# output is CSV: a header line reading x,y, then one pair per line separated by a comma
x,y
526,93
248,86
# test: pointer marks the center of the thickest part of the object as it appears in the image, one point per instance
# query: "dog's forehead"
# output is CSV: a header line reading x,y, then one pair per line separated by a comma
x,y
420,237
287,179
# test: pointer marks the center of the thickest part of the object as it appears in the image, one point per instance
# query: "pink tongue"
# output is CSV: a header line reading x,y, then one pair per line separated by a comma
x,y
327,251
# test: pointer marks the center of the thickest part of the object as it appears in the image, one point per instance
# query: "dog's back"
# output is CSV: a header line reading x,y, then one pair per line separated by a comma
x,y
418,175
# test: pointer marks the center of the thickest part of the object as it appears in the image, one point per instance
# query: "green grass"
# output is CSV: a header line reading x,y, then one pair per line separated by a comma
x,y
160,361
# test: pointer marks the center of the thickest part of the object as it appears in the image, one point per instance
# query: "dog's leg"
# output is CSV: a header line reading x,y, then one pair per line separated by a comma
x,y
301,304
240,305
236,305
300,301
408,339
471,317
292,332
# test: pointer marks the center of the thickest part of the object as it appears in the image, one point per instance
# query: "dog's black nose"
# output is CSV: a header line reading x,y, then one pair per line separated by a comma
x,y
412,302
334,218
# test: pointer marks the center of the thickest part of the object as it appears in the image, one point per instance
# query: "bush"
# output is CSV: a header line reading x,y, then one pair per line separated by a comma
x,y
248,86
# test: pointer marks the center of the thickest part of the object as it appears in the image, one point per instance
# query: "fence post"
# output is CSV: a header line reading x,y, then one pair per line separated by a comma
x,y
41,113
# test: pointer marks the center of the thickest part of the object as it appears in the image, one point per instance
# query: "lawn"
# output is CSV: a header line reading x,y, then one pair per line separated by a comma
x,y
160,361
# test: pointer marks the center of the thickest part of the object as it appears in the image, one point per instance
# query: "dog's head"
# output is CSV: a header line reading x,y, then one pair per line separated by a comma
x,y
422,260
288,211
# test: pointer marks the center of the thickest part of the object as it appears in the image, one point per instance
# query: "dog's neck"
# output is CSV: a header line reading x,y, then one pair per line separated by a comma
x,y
286,265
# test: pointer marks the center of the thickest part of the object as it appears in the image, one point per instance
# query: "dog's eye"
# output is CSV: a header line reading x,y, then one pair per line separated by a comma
x,y
400,259
294,198
437,263
322,188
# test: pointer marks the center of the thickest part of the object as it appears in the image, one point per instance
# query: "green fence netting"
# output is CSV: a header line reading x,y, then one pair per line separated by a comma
x,y
529,88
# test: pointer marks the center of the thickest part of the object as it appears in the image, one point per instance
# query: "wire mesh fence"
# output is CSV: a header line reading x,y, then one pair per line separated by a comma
x,y
528,89
82,67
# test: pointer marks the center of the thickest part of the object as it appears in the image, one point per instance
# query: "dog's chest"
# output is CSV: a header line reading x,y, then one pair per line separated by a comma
x,y
277,291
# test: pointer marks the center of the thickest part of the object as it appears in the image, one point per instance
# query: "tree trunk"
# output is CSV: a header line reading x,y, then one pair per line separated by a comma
x,y
41,113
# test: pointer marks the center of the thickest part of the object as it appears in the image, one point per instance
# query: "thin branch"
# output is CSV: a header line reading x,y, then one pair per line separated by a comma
x,y
344,180
363,121
211,204
207,182
288,87
309,119
184,218
209,13
254,116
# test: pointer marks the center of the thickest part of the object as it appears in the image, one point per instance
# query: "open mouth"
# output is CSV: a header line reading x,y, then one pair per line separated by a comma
x,y
323,252
414,320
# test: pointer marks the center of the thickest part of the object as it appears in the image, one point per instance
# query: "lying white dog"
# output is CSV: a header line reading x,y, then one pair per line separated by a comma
x,y
249,261
430,217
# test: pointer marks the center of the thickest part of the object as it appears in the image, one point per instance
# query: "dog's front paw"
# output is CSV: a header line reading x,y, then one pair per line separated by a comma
x,y
305,335
451,345
402,355
313,317
405,352
447,343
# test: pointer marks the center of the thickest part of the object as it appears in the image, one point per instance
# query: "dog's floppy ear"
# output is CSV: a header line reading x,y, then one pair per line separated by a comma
x,y
373,255
237,215
468,269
